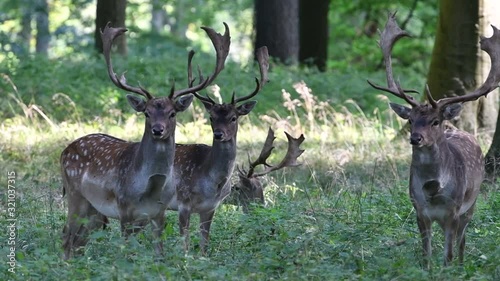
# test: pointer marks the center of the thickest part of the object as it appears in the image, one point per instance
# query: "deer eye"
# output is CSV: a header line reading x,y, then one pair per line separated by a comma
x,y
172,115
435,122
409,121
233,119
146,114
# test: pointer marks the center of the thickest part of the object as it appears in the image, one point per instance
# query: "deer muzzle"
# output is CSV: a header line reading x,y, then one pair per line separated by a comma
x,y
157,130
416,139
218,134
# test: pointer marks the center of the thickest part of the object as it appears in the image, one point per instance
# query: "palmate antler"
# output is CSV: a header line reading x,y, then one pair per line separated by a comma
x,y
290,159
263,60
221,44
392,33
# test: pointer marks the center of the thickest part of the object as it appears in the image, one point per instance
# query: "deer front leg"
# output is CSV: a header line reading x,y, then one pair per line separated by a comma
x,y
184,216
157,225
205,223
425,228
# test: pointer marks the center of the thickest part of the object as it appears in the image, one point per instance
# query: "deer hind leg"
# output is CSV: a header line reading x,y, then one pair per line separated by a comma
x,y
464,221
425,228
450,228
205,223
82,219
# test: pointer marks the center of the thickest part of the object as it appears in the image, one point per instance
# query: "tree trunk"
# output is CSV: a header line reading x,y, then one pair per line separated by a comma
x,y
25,34
314,32
277,27
42,27
490,10
158,16
458,64
112,11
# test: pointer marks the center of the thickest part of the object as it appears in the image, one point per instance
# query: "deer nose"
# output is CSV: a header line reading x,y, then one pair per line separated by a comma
x,y
416,139
157,130
218,134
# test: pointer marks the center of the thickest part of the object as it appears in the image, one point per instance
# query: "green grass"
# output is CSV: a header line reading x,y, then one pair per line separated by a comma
x,y
343,215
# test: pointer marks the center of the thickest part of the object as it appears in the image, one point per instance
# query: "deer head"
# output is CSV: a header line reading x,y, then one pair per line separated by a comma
x,y
249,188
426,119
224,117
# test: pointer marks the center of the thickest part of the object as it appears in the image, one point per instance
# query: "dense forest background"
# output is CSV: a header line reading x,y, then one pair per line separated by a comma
x,y
44,40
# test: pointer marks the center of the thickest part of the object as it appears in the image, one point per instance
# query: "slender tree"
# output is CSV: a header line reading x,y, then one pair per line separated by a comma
x,y
42,27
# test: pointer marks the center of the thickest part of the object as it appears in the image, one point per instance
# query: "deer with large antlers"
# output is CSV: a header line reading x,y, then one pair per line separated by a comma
x,y
203,172
131,181
447,166
249,188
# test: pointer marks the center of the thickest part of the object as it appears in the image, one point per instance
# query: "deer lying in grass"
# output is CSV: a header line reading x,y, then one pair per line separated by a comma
x,y
249,189
203,172
131,181
447,166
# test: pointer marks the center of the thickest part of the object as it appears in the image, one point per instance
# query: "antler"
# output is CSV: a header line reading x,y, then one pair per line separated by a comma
x,y
392,33
108,35
263,60
221,44
491,46
290,159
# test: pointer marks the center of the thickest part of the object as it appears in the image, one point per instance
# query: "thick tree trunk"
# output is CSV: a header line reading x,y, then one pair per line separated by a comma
x,y
42,27
112,11
314,32
277,27
458,65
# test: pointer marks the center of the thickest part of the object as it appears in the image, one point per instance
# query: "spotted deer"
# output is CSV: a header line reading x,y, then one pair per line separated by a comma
x,y
203,172
249,189
447,166
130,181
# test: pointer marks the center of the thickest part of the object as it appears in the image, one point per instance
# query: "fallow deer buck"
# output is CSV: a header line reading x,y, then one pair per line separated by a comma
x,y
203,172
131,181
447,165
249,189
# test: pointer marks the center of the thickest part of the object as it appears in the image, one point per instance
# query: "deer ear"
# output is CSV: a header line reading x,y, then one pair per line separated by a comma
x,y
245,108
401,110
451,111
208,105
183,102
137,103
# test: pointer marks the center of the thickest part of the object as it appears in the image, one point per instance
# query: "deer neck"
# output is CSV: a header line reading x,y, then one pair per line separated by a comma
x,y
221,159
155,156
429,161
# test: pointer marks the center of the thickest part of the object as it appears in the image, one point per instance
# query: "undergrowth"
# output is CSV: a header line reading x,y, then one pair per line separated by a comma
x,y
344,214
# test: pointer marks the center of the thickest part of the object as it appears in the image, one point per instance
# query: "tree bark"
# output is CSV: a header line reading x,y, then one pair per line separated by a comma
x,y
314,32
277,27
112,11
458,64
42,27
